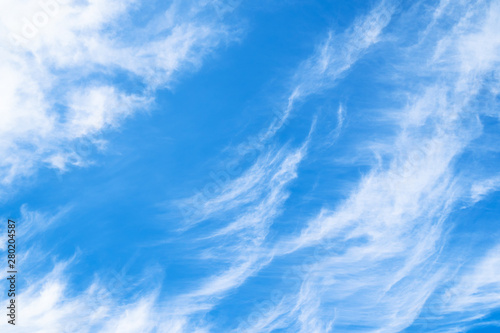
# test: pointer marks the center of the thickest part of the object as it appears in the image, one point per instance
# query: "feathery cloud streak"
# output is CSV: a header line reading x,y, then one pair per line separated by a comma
x,y
62,63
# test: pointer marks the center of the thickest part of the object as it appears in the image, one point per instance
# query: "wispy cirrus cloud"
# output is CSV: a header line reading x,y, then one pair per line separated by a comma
x,y
241,242
63,66
482,188
477,291
253,199
60,66
331,61
392,225
371,262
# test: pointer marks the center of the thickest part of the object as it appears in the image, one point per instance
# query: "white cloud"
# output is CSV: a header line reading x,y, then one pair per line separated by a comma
x,y
244,250
58,86
330,62
260,190
482,188
98,108
252,200
392,223
478,290
391,227
49,305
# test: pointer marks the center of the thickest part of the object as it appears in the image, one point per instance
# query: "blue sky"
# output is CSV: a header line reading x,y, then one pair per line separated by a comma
x,y
252,166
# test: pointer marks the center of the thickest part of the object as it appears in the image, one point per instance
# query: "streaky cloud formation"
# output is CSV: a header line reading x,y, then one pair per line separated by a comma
x,y
59,62
331,61
269,245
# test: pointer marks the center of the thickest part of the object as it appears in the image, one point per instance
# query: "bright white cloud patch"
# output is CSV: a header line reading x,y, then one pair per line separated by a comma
x,y
59,62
